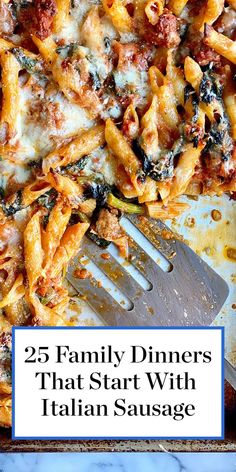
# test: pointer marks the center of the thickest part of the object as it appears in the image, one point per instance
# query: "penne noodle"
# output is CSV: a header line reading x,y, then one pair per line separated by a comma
x,y
139,10
68,248
88,206
153,10
11,92
34,190
156,79
122,150
149,134
176,77
84,144
62,15
150,191
229,97
164,190
177,6
92,33
172,210
15,293
167,106
194,76
130,125
57,223
47,48
33,251
209,14
184,170
5,45
193,72
220,43
124,183
64,185
5,388
118,14
5,411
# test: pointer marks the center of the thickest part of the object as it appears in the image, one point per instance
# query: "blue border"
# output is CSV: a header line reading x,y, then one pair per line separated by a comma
x,y
92,438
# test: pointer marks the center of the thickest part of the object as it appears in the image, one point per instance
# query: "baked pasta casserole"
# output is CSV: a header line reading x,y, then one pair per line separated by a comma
x,y
106,106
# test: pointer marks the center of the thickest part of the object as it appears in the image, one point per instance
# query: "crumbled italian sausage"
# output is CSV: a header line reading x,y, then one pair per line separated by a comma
x,y
165,32
107,225
203,54
37,18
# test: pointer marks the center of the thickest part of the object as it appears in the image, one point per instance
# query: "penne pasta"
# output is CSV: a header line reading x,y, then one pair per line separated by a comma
x,y
45,316
88,206
220,43
118,14
33,251
209,14
5,45
62,15
5,388
84,144
193,72
65,186
5,411
69,246
10,89
167,106
149,132
153,10
159,211
177,6
185,170
92,33
15,293
47,48
124,183
57,223
150,191
34,190
130,125
229,96
122,150
156,79
175,75
164,190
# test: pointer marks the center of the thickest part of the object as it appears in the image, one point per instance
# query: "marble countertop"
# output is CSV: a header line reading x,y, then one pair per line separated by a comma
x,y
118,462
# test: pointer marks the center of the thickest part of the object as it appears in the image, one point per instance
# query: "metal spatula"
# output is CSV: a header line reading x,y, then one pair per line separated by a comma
x,y
190,294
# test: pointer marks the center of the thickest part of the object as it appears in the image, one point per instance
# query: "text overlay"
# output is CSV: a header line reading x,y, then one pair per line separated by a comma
x,y
117,383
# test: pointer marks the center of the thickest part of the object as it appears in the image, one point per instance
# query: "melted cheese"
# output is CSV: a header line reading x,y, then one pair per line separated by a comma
x,y
133,81
38,140
70,31
101,161
37,134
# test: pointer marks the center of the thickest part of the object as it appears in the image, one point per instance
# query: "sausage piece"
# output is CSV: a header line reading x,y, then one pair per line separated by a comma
x,y
37,18
165,33
107,225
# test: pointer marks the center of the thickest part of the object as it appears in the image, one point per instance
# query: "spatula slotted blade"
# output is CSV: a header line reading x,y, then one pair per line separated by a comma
x,y
191,294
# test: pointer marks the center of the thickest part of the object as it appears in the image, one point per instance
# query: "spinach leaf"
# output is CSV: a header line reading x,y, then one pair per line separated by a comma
x,y
33,66
48,200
